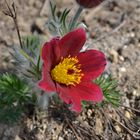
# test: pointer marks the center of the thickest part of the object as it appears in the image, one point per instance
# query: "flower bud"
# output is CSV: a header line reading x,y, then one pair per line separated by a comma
x,y
89,3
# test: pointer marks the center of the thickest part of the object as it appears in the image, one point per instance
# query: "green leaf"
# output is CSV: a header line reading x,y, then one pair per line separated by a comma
x,y
28,59
110,90
57,25
15,93
31,45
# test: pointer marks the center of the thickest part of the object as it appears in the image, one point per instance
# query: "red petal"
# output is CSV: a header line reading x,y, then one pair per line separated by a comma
x,y
90,91
46,83
92,63
73,42
51,52
70,96
84,91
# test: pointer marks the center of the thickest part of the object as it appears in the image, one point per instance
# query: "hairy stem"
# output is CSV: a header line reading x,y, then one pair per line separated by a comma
x,y
75,18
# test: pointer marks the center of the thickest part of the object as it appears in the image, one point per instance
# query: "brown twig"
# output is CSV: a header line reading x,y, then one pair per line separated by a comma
x,y
12,13
134,134
133,109
63,127
129,123
88,132
122,23
73,129
109,124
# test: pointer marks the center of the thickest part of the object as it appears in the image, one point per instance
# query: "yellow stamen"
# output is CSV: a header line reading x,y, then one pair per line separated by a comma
x,y
68,71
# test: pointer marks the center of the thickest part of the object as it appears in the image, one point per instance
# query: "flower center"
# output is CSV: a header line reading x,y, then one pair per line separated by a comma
x,y
68,71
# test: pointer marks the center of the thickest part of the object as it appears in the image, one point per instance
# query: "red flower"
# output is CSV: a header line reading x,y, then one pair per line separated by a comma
x,y
89,3
70,73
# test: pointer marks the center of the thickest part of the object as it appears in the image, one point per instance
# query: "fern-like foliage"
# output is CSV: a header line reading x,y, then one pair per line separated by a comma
x,y
58,24
14,95
31,45
109,86
28,58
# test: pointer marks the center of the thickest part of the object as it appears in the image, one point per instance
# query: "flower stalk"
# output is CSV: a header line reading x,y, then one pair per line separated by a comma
x,y
43,101
75,18
12,13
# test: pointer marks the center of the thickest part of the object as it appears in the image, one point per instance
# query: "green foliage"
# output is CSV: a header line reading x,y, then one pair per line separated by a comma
x,y
14,95
31,45
31,51
74,21
58,22
110,90
28,58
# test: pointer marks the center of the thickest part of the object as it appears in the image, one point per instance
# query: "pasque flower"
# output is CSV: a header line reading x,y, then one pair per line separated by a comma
x,y
89,3
70,72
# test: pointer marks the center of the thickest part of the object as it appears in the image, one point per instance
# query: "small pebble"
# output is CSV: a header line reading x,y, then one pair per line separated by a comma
x,y
114,54
125,46
118,129
135,93
132,34
60,138
138,45
127,114
17,137
123,69
89,113
121,58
